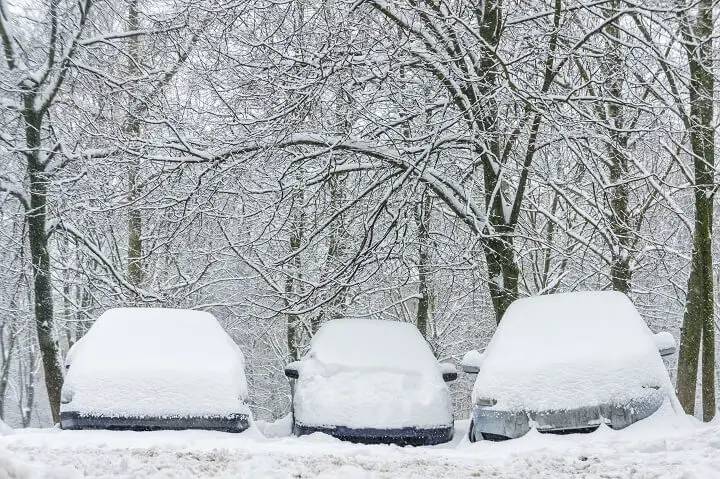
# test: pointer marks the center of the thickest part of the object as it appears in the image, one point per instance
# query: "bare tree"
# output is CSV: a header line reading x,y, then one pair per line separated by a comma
x,y
40,81
698,331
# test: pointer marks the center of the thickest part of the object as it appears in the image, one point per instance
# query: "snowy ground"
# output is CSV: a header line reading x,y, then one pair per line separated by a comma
x,y
662,446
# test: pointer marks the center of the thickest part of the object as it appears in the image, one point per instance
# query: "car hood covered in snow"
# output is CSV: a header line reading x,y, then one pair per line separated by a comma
x,y
155,362
371,374
567,351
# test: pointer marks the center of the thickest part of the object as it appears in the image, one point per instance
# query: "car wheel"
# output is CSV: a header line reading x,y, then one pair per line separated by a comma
x,y
293,430
471,432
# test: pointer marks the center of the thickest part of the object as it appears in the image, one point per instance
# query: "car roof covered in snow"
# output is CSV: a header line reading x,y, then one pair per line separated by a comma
x,y
155,337
569,350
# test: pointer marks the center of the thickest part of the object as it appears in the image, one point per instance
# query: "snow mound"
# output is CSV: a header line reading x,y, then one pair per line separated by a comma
x,y
565,351
281,427
647,449
13,468
155,362
371,374
5,429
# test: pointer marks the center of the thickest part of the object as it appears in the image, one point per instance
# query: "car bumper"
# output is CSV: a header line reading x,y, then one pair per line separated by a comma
x,y
492,423
229,423
405,436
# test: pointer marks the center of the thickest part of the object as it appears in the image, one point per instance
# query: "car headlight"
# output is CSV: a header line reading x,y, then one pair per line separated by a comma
x,y
66,395
486,402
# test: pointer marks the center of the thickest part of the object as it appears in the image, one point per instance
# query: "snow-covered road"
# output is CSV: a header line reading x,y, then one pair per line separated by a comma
x,y
660,447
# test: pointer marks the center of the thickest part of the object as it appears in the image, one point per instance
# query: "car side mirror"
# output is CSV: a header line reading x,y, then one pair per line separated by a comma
x,y
71,354
449,372
292,370
472,361
665,343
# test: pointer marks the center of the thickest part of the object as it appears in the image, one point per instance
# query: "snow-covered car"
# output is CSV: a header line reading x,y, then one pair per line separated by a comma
x,y
155,368
568,363
372,381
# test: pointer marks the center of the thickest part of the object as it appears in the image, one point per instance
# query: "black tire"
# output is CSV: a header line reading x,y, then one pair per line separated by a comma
x,y
471,432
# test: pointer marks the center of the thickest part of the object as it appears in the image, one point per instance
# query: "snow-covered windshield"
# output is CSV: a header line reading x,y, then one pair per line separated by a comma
x,y
371,344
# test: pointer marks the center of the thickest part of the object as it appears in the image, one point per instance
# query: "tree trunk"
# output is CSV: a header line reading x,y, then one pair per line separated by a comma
x,y
136,272
337,244
698,329
503,270
423,210
698,322
38,236
6,352
68,313
620,272
297,231
27,389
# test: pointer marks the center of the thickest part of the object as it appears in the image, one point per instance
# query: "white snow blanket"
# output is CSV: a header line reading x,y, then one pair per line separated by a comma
x,y
155,362
371,374
570,350
665,446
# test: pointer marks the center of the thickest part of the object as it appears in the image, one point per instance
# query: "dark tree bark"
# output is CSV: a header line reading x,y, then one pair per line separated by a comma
x,y
503,270
698,329
620,227
36,218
